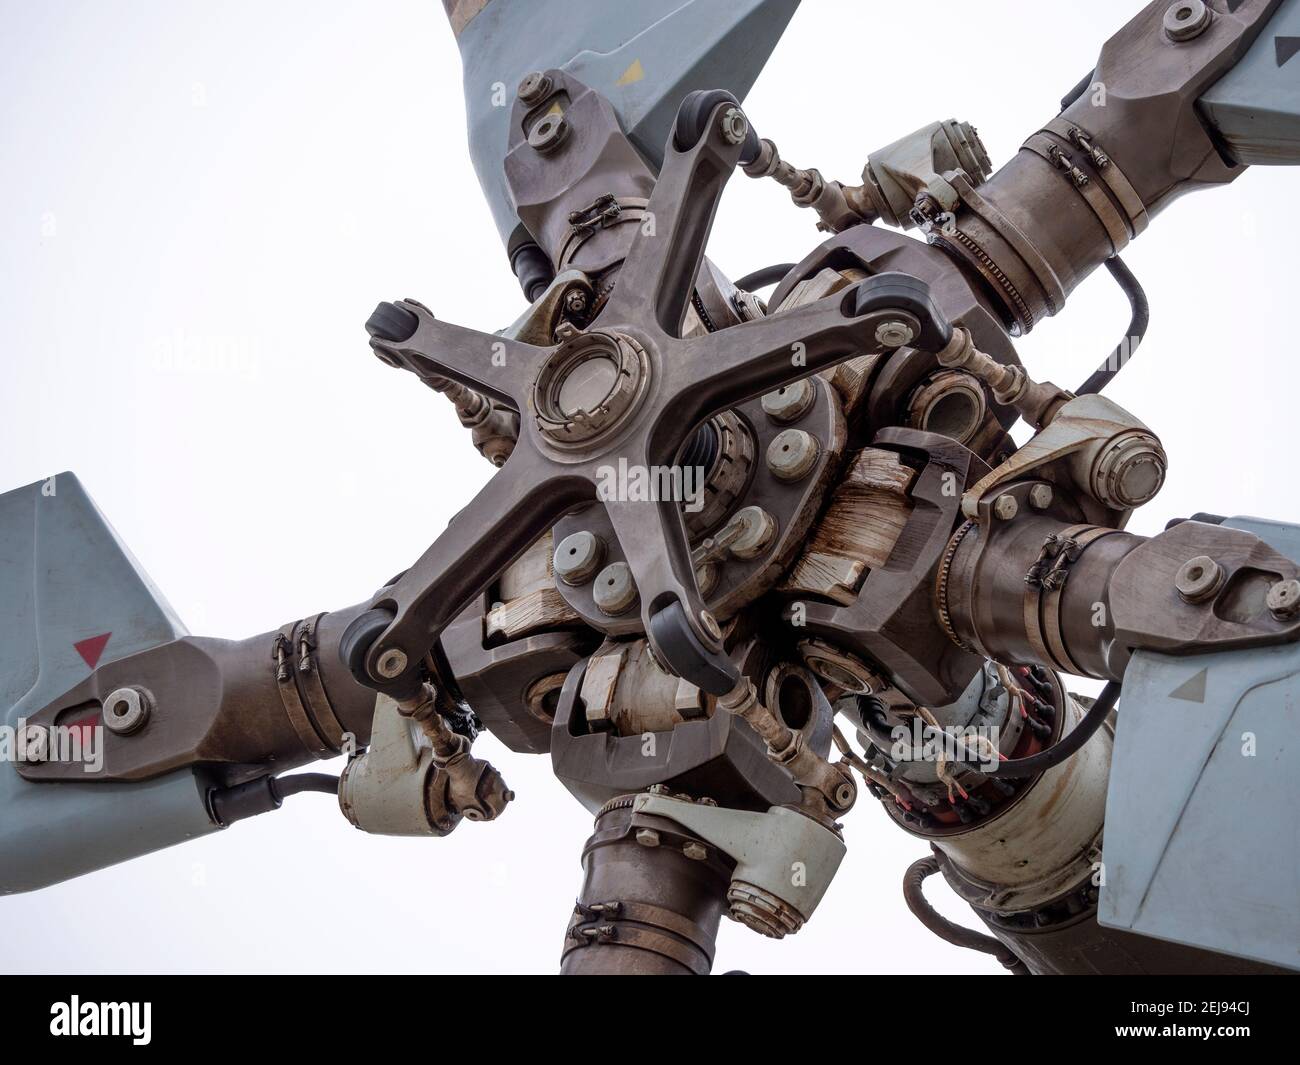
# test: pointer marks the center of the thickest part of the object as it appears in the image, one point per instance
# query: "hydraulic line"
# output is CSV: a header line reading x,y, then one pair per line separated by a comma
x,y
1137,328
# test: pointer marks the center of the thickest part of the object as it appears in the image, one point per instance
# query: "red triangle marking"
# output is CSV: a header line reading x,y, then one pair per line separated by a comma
x,y
92,648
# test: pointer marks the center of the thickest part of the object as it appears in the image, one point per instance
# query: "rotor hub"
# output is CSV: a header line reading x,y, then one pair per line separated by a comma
x,y
589,386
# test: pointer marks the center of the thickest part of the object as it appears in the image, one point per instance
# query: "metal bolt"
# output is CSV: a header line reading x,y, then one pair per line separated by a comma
x,y
1283,599
126,710
1186,20
1005,507
894,333
758,530
577,557
710,624
548,133
844,795
1198,579
1040,496
534,88
735,126
696,852
790,402
614,590
647,837
392,663
792,454
575,302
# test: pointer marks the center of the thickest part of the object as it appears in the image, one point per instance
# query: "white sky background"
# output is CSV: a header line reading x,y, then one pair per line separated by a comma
x,y
242,182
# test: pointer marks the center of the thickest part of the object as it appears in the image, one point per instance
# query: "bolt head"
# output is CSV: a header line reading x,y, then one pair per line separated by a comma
x,y
758,531
792,455
577,557
533,88
735,126
126,710
1198,579
1040,496
614,590
1186,20
647,837
548,133
894,334
1283,599
710,624
1005,507
696,852
790,402
392,663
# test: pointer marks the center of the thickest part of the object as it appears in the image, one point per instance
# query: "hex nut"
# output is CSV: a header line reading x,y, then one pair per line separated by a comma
x,y
894,333
577,557
1198,579
696,852
614,590
1186,20
790,402
534,88
758,531
735,126
126,710
1283,599
792,454
647,837
1005,507
1040,496
392,663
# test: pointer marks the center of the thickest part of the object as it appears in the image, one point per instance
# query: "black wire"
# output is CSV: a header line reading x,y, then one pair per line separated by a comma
x,y
1059,752
945,929
1137,328
769,275
300,782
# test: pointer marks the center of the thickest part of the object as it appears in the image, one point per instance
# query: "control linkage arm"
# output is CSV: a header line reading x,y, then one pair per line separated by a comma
x,y
629,390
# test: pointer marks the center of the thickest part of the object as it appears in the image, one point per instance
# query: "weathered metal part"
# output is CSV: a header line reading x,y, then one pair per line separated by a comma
x,y
717,756
652,897
868,510
1037,403
890,621
1034,230
526,598
626,691
1112,460
513,686
784,861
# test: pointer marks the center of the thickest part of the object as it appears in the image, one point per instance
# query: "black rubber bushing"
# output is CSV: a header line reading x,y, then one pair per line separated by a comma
x,y
391,322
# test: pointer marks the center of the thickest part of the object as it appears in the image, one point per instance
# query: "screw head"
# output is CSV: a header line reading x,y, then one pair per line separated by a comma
x,y
1040,496
647,837
894,334
1198,579
696,852
577,557
792,455
790,402
735,126
1005,507
392,663
1283,599
1186,20
614,589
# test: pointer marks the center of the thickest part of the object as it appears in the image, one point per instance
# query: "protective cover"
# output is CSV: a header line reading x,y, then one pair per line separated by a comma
x,y
71,597
1202,844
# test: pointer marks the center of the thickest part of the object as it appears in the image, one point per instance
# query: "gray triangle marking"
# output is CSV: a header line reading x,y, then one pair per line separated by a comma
x,y
1286,47
1193,690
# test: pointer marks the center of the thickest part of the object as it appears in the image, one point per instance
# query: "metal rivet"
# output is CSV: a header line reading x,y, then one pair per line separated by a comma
x,y
1198,579
577,557
614,589
792,454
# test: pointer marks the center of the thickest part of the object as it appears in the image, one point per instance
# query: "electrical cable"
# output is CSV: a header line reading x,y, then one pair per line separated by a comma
x,y
945,929
1137,328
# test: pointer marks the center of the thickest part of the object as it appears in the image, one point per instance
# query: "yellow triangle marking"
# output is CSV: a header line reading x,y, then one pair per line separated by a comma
x,y
556,109
632,74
